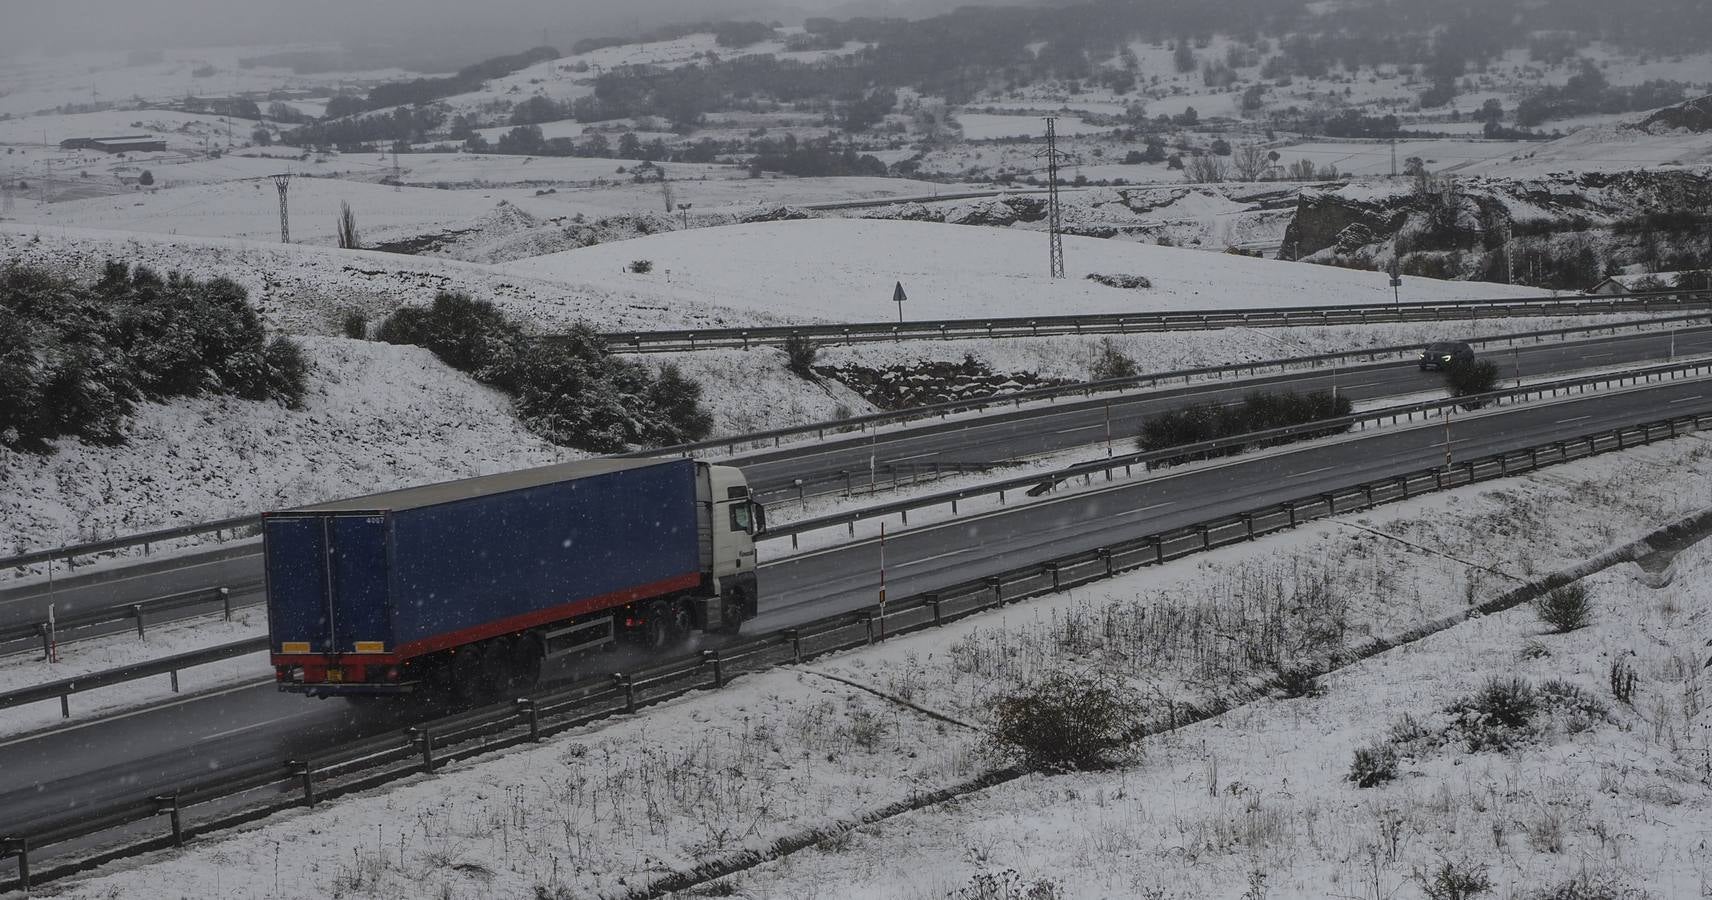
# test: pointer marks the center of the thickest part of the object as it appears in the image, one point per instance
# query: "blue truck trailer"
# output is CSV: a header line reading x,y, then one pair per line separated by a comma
x,y
464,589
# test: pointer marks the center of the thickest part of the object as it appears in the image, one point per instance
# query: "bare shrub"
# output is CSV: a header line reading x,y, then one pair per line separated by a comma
x,y
800,352
1566,609
1008,885
356,325
641,266
1110,363
1453,881
1068,722
1623,681
1373,765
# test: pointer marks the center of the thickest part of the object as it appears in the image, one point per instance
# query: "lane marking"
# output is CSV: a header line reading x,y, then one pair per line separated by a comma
x,y
1311,472
1596,355
1686,399
1137,512
1575,419
917,456
243,686
1082,428
229,733
928,559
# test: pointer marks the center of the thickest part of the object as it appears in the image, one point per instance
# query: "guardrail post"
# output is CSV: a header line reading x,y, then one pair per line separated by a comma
x,y
170,802
1331,503
137,610
712,656
932,600
1470,467
527,708
47,641
65,705
1403,485
1106,557
1052,569
1620,440
868,624
625,683
1248,523
848,488
174,676
1158,549
1206,536
226,602
795,637
426,739
1290,507
20,848
998,587
307,774
1367,494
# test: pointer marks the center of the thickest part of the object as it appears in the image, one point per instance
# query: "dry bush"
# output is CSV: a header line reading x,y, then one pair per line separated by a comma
x,y
1068,722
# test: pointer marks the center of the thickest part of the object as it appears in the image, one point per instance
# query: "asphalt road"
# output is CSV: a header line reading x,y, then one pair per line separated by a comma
x,y
163,746
977,441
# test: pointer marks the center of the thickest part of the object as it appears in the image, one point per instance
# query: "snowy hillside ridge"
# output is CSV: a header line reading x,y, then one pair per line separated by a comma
x,y
1694,116
309,289
1564,231
376,417
845,269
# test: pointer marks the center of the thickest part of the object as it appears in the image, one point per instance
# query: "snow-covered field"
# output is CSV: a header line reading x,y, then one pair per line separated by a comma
x,y
844,270
1256,795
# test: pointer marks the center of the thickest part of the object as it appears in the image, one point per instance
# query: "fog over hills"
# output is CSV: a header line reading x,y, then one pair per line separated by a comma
x,y
453,32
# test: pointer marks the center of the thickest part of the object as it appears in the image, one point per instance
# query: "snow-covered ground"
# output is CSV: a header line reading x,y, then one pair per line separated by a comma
x,y
608,809
844,270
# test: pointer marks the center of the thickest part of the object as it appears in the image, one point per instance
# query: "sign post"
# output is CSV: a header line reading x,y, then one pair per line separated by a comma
x,y
1396,274
898,297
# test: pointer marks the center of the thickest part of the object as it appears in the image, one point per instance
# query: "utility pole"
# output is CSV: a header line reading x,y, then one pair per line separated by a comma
x,y
283,182
1054,213
1393,157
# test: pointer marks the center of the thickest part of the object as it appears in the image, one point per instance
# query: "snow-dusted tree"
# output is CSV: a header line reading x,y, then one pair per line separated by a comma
x,y
347,226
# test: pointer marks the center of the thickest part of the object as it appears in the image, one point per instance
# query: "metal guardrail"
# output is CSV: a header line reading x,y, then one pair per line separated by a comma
x,y
689,339
941,410
426,747
1148,459
1151,380
166,665
138,612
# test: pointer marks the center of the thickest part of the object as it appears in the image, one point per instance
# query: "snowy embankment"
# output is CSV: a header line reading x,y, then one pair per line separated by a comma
x,y
1204,811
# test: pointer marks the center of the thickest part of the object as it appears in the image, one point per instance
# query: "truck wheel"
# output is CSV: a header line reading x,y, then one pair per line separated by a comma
x,y
658,625
465,669
526,662
496,667
732,611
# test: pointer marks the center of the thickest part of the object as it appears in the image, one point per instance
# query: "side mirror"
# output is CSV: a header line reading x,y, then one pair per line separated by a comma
x,y
760,514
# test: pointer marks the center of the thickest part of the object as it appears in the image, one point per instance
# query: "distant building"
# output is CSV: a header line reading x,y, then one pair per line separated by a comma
x,y
131,143
1638,283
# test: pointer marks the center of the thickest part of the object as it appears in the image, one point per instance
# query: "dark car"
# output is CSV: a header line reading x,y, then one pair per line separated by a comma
x,y
1444,354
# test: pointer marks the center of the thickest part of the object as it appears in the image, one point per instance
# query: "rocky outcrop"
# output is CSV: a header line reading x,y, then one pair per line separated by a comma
x,y
1693,115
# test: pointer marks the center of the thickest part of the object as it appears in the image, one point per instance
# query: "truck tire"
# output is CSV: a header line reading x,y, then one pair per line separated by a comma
x,y
526,660
496,668
657,620
734,608
465,669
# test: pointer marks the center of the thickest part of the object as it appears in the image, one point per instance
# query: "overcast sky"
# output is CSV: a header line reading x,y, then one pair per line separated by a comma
x,y
489,25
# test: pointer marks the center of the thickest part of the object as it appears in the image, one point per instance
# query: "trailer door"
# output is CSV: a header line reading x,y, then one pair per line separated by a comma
x,y
327,584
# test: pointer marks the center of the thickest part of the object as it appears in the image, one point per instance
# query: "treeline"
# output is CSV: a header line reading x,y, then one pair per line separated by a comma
x,y
75,359
1588,92
569,389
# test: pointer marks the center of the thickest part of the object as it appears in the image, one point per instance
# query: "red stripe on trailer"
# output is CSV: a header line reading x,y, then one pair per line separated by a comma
x,y
494,629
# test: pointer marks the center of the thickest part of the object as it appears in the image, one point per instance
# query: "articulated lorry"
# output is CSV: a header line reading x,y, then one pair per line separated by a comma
x,y
464,589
